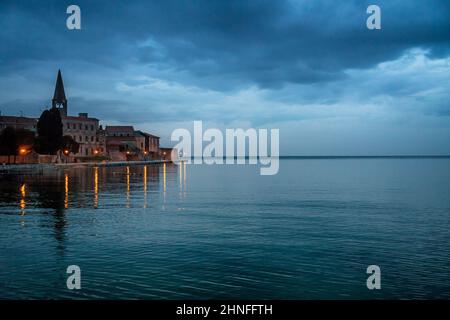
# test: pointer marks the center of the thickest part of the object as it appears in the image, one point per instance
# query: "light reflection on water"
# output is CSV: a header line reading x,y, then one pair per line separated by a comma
x,y
167,231
80,179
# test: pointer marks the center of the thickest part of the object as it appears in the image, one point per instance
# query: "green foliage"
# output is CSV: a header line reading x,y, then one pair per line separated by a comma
x,y
12,139
25,137
8,141
50,132
70,144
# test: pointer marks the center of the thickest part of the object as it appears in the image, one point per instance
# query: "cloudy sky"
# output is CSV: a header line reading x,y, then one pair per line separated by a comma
x,y
310,68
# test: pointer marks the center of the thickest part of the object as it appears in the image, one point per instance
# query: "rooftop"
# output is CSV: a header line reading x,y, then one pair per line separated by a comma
x,y
145,134
59,96
119,128
17,119
79,118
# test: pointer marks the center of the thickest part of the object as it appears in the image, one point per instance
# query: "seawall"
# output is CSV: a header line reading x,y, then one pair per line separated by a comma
x,y
15,167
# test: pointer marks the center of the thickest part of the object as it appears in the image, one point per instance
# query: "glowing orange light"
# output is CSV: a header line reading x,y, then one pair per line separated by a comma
x,y
96,187
66,189
66,152
23,190
145,152
23,151
164,177
128,152
95,151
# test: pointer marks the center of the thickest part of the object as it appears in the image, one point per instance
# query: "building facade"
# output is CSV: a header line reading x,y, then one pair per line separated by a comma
x,y
169,154
118,143
150,144
125,143
18,123
83,129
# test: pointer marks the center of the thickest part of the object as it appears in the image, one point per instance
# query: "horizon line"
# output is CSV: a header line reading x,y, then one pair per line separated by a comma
x,y
334,156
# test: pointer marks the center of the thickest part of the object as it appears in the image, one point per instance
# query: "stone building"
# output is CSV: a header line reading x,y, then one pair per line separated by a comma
x,y
87,132
18,123
83,129
119,143
150,144
170,154
125,143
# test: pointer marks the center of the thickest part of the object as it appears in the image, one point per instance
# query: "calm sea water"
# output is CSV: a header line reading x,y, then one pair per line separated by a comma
x,y
202,232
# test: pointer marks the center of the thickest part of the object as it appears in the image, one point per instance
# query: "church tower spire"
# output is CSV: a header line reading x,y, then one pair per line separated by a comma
x,y
59,100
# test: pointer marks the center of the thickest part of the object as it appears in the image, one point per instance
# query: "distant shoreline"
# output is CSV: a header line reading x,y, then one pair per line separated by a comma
x,y
368,157
341,157
77,164
6,167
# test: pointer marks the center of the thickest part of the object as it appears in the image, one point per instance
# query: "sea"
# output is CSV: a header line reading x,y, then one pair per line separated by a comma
x,y
185,231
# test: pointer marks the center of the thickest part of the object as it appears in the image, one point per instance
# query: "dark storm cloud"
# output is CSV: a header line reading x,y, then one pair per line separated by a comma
x,y
224,44
309,67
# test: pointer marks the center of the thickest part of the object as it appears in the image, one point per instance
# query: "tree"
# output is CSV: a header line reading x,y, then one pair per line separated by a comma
x,y
70,144
12,139
50,132
8,142
25,137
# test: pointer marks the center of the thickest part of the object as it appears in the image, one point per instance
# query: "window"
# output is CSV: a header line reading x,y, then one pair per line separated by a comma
x,y
92,127
79,125
81,139
92,138
68,126
86,138
74,126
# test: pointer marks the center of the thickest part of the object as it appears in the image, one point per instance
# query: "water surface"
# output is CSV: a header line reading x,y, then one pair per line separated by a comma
x,y
203,232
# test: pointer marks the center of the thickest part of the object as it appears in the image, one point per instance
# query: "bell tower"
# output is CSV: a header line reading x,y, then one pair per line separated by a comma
x,y
59,100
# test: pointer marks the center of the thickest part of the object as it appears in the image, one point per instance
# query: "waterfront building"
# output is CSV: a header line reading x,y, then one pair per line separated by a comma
x,y
87,132
83,129
124,143
18,123
150,145
166,154
119,143
119,131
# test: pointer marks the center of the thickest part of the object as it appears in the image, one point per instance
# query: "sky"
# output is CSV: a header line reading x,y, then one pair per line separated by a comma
x,y
311,69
